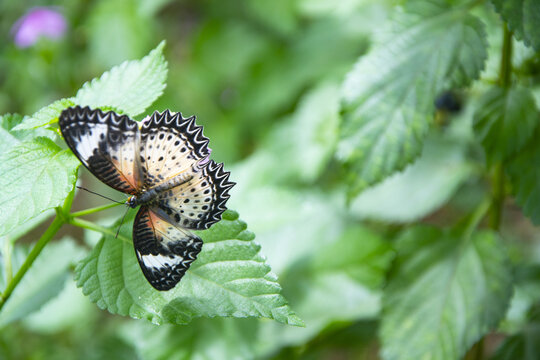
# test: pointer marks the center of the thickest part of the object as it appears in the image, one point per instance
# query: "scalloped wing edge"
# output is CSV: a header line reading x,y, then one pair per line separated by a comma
x,y
186,126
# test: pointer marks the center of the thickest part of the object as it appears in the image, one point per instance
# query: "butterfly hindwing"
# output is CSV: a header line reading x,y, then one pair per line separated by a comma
x,y
164,251
198,203
106,143
170,145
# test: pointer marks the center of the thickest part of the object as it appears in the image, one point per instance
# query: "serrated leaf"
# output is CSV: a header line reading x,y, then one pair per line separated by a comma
x,y
35,176
424,186
446,291
43,281
524,174
229,278
130,87
46,115
504,120
523,18
389,95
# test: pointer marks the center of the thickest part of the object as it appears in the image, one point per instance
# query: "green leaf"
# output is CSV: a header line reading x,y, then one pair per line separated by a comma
x,y
45,116
43,281
424,186
389,95
229,278
524,345
35,176
130,87
525,178
446,291
523,18
504,121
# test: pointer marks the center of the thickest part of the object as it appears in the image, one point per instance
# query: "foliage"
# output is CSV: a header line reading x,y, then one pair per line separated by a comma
x,y
386,161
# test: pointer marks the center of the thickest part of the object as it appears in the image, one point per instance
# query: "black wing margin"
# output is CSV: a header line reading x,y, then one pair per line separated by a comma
x,y
106,143
165,252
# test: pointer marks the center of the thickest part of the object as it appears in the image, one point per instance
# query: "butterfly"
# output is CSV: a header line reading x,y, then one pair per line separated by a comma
x,y
163,163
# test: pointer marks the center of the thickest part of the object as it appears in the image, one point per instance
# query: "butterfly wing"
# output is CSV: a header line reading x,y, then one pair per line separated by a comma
x,y
164,251
198,203
173,147
170,146
106,143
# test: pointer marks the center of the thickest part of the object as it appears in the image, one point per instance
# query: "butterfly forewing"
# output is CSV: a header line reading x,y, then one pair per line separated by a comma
x,y
170,146
164,251
106,143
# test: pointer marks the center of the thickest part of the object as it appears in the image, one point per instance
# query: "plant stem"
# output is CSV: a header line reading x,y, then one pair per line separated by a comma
x,y
95,227
94,210
497,177
36,250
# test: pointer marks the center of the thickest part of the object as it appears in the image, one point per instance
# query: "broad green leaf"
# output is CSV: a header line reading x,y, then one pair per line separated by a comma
x,y
523,18
524,345
229,278
130,87
389,94
43,281
35,176
446,291
504,120
423,187
45,116
524,173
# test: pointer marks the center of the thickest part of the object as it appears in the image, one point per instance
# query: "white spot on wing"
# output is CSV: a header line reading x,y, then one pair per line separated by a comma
x,y
160,261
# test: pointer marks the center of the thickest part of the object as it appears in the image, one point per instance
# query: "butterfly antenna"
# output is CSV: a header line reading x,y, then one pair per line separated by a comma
x,y
121,222
103,196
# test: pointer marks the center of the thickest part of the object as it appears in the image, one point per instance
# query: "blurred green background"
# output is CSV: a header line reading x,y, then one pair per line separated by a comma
x,y
264,77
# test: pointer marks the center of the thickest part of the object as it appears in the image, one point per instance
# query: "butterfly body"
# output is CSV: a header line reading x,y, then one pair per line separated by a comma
x,y
163,164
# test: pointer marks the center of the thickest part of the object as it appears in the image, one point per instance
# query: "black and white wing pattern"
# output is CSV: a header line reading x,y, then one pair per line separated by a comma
x,y
164,251
173,146
106,143
198,203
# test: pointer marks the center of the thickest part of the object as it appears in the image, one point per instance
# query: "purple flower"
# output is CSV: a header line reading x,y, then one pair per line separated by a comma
x,y
38,22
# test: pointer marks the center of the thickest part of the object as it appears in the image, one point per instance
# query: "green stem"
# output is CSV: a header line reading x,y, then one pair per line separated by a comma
x,y
497,177
95,227
94,210
36,250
